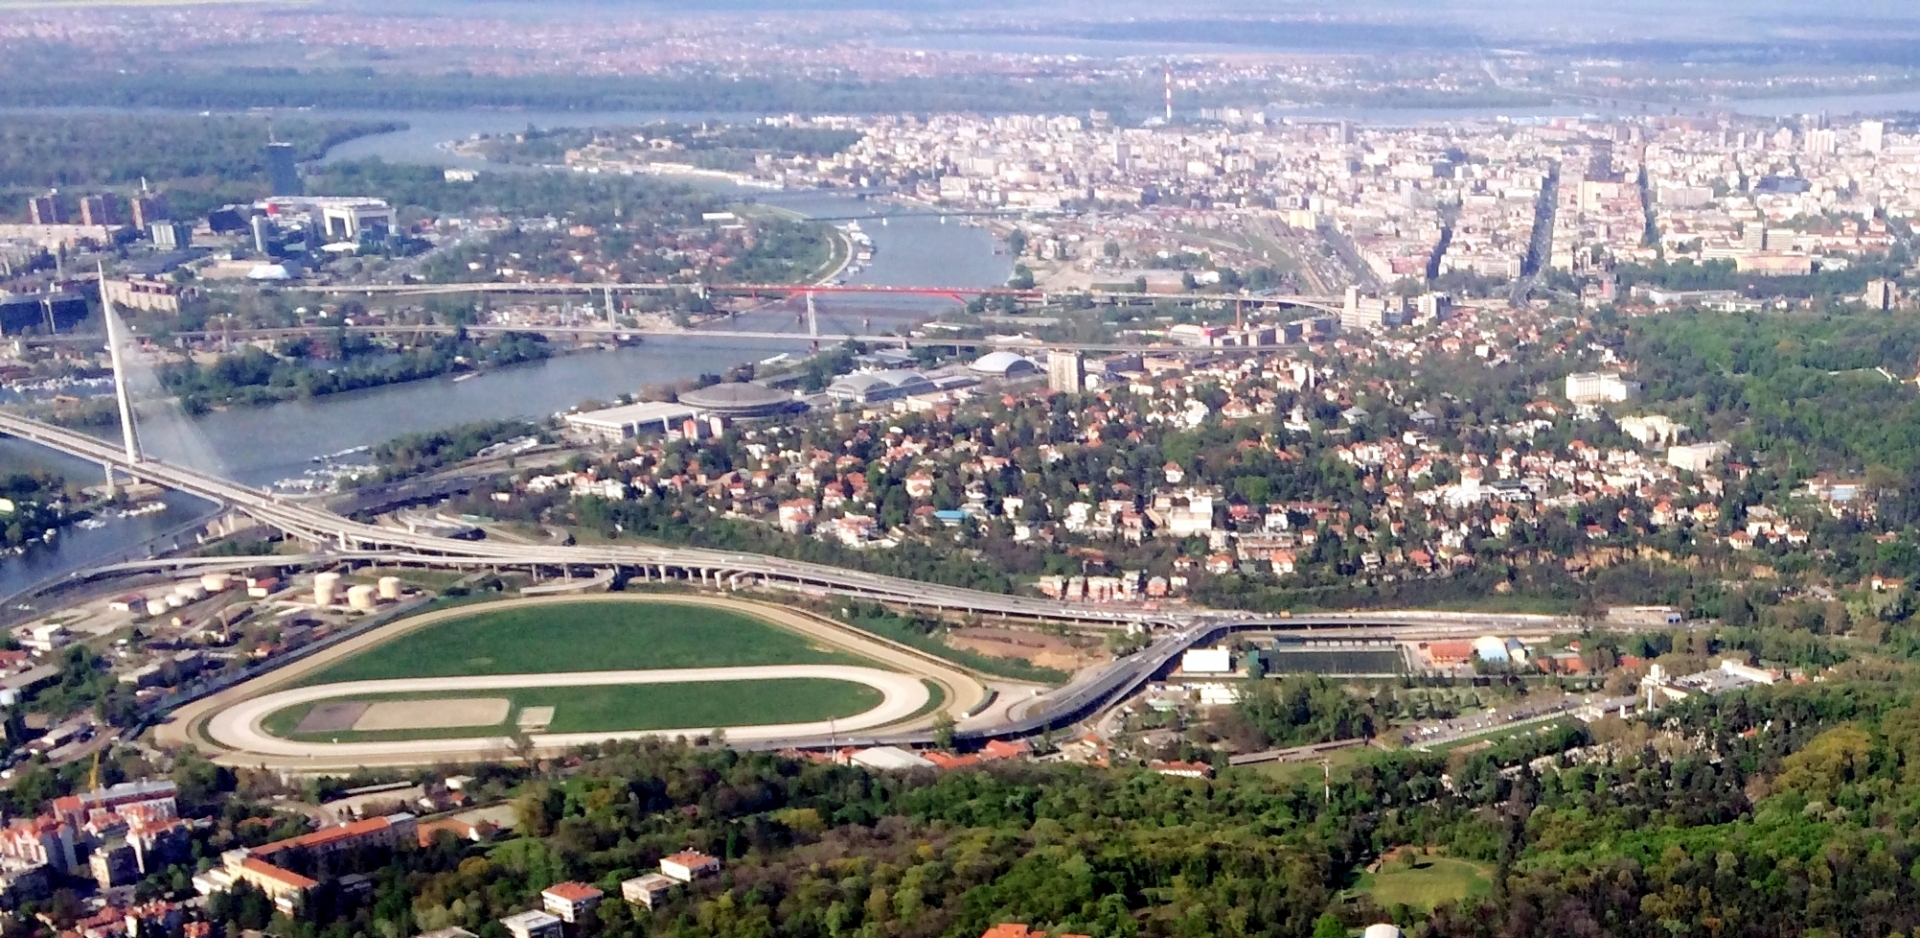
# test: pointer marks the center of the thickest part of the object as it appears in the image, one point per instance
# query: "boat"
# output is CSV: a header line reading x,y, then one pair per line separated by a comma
x,y
465,376
349,451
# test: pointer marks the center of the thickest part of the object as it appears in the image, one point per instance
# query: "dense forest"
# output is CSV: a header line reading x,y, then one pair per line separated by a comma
x,y
199,162
1776,811
588,198
311,367
241,88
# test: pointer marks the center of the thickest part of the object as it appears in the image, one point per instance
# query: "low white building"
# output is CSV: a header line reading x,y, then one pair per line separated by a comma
x,y
1697,457
532,924
688,865
1207,661
649,890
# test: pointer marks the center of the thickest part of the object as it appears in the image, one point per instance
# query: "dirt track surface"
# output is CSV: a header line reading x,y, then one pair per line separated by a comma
x,y
962,690
238,727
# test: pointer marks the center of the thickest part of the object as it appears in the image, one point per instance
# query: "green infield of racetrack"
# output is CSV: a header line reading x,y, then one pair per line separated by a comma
x,y
617,708
582,636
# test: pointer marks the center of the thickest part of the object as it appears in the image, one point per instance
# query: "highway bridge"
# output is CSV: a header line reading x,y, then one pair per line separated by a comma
x,y
603,288
601,332
719,569
339,539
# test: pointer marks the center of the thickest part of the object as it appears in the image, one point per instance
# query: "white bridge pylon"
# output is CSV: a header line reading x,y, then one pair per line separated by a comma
x,y
116,337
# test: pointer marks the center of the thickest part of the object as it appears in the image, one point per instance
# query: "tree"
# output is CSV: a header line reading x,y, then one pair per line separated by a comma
x,y
943,730
1328,925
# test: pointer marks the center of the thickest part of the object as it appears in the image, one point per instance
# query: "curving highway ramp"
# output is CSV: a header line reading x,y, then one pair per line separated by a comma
x,y
240,727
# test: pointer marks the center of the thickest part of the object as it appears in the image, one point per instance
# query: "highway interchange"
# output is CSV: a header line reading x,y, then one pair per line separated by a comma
x,y
337,539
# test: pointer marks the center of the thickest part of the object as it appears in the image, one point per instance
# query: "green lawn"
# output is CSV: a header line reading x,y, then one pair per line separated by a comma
x,y
1422,882
626,707
584,636
1311,772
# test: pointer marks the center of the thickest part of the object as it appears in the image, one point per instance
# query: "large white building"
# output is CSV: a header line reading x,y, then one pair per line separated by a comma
x,y
1597,387
1697,457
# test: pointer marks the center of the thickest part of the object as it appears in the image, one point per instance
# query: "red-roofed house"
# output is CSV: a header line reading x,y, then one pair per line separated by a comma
x,y
1182,769
570,902
686,865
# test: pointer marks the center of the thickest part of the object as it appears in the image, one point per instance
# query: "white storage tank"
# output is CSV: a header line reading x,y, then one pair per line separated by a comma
x,y
157,607
214,582
1382,930
361,598
389,587
175,601
191,592
325,586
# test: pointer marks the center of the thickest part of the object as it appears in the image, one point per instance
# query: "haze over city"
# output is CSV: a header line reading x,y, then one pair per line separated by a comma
x,y
965,469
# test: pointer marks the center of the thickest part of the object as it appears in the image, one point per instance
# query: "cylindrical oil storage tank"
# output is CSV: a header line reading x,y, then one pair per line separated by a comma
x,y
214,582
361,598
1382,930
325,586
175,600
389,587
157,607
191,592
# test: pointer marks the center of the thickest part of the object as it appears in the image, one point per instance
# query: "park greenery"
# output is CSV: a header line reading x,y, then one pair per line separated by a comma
x,y
731,147
334,362
32,503
411,454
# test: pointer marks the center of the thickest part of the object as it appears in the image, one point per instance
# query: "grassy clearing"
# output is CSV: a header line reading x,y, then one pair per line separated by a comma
x,y
903,630
1298,773
598,636
623,707
1423,882
1500,734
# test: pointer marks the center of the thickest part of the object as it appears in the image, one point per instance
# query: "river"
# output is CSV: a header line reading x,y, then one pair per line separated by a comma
x,y
258,445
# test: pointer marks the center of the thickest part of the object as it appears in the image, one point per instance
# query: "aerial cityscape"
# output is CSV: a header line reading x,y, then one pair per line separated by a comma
x,y
848,469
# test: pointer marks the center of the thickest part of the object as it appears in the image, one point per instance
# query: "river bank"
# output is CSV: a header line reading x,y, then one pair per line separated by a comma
x,y
260,445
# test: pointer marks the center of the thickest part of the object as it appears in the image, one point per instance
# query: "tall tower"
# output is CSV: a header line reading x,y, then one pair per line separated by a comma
x,y
1066,373
282,175
115,336
1168,76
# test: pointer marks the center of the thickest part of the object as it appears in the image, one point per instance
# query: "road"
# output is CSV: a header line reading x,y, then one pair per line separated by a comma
x,y
731,571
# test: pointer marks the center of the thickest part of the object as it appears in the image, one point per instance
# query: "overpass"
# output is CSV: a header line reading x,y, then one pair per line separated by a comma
x,y
719,569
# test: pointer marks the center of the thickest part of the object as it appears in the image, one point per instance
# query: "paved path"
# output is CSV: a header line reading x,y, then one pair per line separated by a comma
x,y
240,727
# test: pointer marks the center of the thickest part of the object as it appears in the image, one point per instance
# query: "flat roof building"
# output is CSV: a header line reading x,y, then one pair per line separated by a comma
x,y
630,420
649,890
532,923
